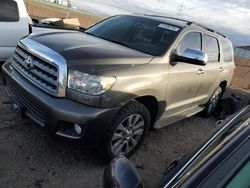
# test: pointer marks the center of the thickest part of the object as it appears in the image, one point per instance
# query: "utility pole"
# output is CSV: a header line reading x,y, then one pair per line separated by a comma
x,y
67,11
180,9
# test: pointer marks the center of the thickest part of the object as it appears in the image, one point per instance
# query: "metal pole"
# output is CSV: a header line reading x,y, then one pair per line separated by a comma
x,y
67,13
180,10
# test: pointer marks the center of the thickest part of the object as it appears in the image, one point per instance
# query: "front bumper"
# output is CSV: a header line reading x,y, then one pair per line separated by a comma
x,y
52,113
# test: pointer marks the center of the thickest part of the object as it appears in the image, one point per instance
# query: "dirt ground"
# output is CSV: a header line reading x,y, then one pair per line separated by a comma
x,y
31,158
41,9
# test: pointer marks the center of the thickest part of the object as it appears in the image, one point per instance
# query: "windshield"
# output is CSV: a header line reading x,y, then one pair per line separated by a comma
x,y
142,34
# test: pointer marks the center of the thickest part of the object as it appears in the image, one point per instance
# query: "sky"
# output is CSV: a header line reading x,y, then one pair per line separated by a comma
x,y
230,17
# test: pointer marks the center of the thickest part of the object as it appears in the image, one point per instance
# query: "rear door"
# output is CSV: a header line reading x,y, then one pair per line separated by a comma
x,y
227,66
13,26
184,79
210,80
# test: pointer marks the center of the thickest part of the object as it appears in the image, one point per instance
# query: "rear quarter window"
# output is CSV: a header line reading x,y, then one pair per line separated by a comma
x,y
8,11
227,51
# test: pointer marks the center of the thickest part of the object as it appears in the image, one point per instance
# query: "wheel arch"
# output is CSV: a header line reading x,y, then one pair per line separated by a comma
x,y
154,107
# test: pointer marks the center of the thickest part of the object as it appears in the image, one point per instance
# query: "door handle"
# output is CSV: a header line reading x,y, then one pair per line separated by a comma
x,y
200,71
221,69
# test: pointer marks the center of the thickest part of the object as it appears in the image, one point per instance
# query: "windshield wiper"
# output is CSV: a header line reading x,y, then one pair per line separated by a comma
x,y
110,40
90,34
117,42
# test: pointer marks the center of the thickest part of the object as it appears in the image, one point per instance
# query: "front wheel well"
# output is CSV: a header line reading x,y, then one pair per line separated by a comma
x,y
151,104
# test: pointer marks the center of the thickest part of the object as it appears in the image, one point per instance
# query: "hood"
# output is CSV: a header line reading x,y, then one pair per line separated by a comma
x,y
83,51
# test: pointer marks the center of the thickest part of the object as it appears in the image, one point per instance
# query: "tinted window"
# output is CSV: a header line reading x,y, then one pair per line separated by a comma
x,y
191,40
142,34
8,11
211,48
241,179
227,51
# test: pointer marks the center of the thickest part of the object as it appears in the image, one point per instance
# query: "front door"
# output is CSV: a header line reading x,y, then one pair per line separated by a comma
x,y
185,78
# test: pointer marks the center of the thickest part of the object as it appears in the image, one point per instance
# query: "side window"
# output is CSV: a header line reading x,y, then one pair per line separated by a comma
x,y
211,47
227,51
8,11
191,40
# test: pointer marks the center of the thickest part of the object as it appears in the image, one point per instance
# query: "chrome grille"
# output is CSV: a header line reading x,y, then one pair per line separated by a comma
x,y
42,66
38,71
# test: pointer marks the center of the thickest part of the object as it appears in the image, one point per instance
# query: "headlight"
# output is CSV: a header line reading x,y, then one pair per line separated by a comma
x,y
90,84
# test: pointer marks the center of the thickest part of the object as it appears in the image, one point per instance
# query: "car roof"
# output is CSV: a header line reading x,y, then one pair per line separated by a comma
x,y
182,23
170,20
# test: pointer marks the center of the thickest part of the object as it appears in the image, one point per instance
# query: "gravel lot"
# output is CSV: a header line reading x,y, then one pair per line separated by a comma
x,y
31,158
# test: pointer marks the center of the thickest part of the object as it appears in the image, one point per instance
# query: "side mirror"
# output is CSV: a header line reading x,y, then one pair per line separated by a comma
x,y
196,57
121,173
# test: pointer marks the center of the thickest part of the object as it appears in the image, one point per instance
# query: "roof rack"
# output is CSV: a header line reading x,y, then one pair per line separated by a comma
x,y
187,23
205,27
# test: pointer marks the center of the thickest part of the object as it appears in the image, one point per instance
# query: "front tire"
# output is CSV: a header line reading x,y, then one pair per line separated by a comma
x,y
127,131
213,102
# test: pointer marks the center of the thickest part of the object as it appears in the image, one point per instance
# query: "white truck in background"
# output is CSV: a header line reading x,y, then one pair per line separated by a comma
x,y
15,23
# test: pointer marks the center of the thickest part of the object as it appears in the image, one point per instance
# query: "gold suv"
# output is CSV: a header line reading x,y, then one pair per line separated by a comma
x,y
112,82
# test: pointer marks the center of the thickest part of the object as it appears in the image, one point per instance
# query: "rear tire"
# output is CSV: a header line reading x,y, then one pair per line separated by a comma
x,y
213,102
127,131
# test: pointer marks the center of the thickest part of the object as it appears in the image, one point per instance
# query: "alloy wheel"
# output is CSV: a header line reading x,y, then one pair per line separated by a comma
x,y
128,134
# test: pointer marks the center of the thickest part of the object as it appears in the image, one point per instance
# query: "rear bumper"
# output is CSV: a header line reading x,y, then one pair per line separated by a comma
x,y
50,113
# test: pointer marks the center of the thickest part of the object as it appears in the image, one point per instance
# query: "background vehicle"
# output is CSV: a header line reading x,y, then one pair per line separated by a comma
x,y
122,76
15,24
223,160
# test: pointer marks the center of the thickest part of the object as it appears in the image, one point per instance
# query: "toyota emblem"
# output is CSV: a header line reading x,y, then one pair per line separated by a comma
x,y
29,62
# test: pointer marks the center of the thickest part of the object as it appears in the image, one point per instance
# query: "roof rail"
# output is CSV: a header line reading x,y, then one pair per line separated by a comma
x,y
187,23
205,27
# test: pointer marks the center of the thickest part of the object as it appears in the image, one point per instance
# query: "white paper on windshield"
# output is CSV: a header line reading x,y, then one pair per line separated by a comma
x,y
169,27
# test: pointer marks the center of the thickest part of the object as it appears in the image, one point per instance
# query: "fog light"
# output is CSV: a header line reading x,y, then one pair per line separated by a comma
x,y
78,129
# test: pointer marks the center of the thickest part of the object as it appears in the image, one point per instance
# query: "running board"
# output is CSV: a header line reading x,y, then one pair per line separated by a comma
x,y
178,117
